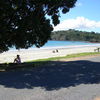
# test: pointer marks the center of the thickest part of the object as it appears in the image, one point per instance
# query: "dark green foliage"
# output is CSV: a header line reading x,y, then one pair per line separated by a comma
x,y
23,23
75,35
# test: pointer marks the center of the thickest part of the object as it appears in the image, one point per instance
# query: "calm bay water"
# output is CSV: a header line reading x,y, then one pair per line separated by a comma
x,y
67,43
64,44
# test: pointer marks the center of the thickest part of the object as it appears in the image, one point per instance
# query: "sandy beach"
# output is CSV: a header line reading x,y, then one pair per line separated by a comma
x,y
33,54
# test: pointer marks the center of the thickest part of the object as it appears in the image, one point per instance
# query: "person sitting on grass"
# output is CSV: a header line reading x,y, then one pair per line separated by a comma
x,y
17,59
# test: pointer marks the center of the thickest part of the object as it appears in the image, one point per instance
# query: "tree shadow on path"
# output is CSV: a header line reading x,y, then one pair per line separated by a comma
x,y
55,75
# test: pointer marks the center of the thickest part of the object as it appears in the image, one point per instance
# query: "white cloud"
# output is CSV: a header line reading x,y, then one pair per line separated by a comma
x,y
80,23
78,4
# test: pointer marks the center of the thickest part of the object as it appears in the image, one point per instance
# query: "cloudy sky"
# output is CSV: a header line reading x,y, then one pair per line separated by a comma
x,y
85,16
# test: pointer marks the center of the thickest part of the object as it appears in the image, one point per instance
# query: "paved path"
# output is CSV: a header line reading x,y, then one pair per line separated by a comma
x,y
74,80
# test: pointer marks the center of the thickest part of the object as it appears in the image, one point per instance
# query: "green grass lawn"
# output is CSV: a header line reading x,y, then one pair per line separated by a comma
x,y
67,56
34,63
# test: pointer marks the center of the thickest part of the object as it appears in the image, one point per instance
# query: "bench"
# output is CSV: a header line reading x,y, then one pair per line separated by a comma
x,y
97,49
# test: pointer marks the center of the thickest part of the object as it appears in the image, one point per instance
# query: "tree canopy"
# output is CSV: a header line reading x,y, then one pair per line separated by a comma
x,y
23,23
75,35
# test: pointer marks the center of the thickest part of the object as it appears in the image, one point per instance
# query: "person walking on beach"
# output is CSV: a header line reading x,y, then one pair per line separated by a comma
x,y
17,59
56,50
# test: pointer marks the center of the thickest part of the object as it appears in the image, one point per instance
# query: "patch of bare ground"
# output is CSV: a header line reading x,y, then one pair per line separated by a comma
x,y
97,98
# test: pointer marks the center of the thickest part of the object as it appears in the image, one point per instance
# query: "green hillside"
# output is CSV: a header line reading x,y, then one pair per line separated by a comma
x,y
75,35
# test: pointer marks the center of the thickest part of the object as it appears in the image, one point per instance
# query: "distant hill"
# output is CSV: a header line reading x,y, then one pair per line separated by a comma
x,y
75,35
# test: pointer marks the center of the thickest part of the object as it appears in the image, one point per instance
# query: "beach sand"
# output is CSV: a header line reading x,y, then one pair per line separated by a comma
x,y
33,54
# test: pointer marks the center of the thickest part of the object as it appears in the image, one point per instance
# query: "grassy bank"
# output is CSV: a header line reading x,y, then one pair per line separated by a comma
x,y
67,56
35,63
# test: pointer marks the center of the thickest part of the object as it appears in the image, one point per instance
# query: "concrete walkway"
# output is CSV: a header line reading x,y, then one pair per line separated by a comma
x,y
62,80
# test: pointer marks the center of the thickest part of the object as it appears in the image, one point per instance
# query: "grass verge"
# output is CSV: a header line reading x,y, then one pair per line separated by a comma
x,y
67,56
34,63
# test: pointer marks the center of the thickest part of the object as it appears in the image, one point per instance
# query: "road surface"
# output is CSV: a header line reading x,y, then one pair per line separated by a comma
x,y
59,80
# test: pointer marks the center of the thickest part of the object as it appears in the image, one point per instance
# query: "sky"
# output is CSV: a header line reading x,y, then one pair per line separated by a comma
x,y
84,16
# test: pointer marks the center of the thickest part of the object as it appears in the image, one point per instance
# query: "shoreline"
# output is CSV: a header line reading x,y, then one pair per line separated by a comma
x,y
34,54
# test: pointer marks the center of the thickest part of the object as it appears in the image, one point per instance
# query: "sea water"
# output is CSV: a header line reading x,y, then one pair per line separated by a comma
x,y
68,44
63,44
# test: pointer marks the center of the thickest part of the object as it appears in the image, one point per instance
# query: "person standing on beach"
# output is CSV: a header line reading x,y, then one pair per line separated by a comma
x,y
17,59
